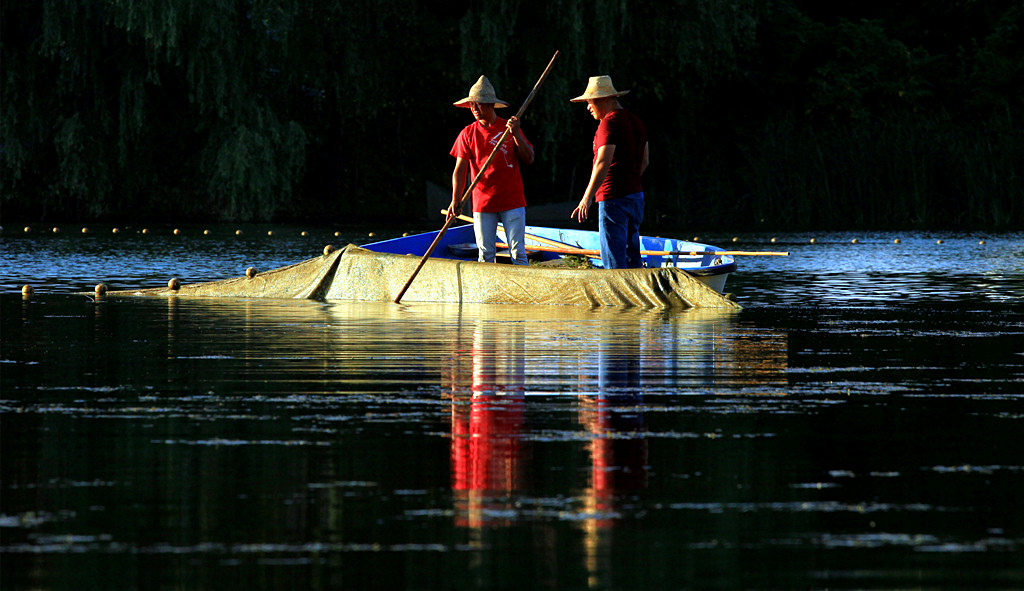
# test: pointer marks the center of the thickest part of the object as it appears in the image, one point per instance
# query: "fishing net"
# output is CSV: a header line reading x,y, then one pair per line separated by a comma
x,y
355,273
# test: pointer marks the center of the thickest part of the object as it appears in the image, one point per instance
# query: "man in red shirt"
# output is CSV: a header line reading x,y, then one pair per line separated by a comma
x,y
498,196
620,158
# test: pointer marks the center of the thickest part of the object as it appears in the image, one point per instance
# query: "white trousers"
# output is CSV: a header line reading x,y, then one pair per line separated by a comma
x,y
485,226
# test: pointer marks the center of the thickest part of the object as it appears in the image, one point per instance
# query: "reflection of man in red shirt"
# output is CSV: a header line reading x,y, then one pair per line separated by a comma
x,y
488,452
498,196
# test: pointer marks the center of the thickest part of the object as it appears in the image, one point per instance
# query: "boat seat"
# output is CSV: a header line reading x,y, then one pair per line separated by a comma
x,y
465,250
469,251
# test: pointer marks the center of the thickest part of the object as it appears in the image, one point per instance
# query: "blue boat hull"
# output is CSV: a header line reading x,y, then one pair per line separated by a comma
x,y
459,243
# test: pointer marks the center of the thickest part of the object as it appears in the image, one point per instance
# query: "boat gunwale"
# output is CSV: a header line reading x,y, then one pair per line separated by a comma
x,y
724,268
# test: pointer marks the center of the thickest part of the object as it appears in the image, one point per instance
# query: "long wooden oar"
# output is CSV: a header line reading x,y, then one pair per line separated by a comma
x,y
480,173
597,253
563,248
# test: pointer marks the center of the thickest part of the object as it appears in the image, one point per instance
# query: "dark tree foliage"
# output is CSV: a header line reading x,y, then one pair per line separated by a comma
x,y
784,113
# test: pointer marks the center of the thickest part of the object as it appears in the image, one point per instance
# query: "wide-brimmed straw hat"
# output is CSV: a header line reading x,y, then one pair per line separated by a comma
x,y
599,87
482,92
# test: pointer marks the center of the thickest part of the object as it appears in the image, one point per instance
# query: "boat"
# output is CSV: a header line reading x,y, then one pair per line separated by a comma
x,y
684,277
708,264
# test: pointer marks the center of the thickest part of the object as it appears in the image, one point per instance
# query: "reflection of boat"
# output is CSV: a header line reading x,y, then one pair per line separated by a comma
x,y
379,272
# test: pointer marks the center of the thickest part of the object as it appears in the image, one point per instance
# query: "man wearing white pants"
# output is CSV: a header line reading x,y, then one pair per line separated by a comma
x,y
498,195
485,226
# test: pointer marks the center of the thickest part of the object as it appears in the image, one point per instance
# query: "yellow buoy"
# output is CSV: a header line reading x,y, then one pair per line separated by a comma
x,y
115,231
938,242
101,288
735,238
238,232
814,240
56,230
206,232
897,241
27,229
773,240
328,249
405,233
305,233
85,230
174,284
250,272
145,230
372,234
270,232
855,241
177,231
336,234
26,290
980,242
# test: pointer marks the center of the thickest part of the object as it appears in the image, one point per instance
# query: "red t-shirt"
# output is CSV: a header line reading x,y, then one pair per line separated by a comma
x,y
501,186
628,134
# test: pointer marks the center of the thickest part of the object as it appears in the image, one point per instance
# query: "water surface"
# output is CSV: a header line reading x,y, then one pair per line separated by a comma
x,y
856,426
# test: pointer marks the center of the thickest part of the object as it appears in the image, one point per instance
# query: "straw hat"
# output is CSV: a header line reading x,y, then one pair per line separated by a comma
x,y
482,92
599,87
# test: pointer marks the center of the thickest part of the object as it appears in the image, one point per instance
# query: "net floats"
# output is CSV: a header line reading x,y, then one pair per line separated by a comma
x,y
173,231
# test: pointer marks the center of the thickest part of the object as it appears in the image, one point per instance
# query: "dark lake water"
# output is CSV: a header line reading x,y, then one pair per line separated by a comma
x,y
859,425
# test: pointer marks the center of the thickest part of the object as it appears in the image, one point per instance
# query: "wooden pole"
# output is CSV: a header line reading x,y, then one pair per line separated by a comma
x,y
597,253
472,185
563,248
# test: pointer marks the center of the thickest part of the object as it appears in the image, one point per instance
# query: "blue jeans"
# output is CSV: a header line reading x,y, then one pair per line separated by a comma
x,y
619,222
485,226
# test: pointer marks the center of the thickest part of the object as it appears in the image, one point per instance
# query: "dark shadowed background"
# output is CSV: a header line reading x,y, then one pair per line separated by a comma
x,y
763,114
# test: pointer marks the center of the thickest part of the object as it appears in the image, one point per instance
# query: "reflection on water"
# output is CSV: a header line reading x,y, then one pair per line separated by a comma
x,y
618,448
240,444
609,361
489,454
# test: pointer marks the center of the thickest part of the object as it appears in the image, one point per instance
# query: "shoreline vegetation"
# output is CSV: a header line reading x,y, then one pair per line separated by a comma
x,y
787,114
